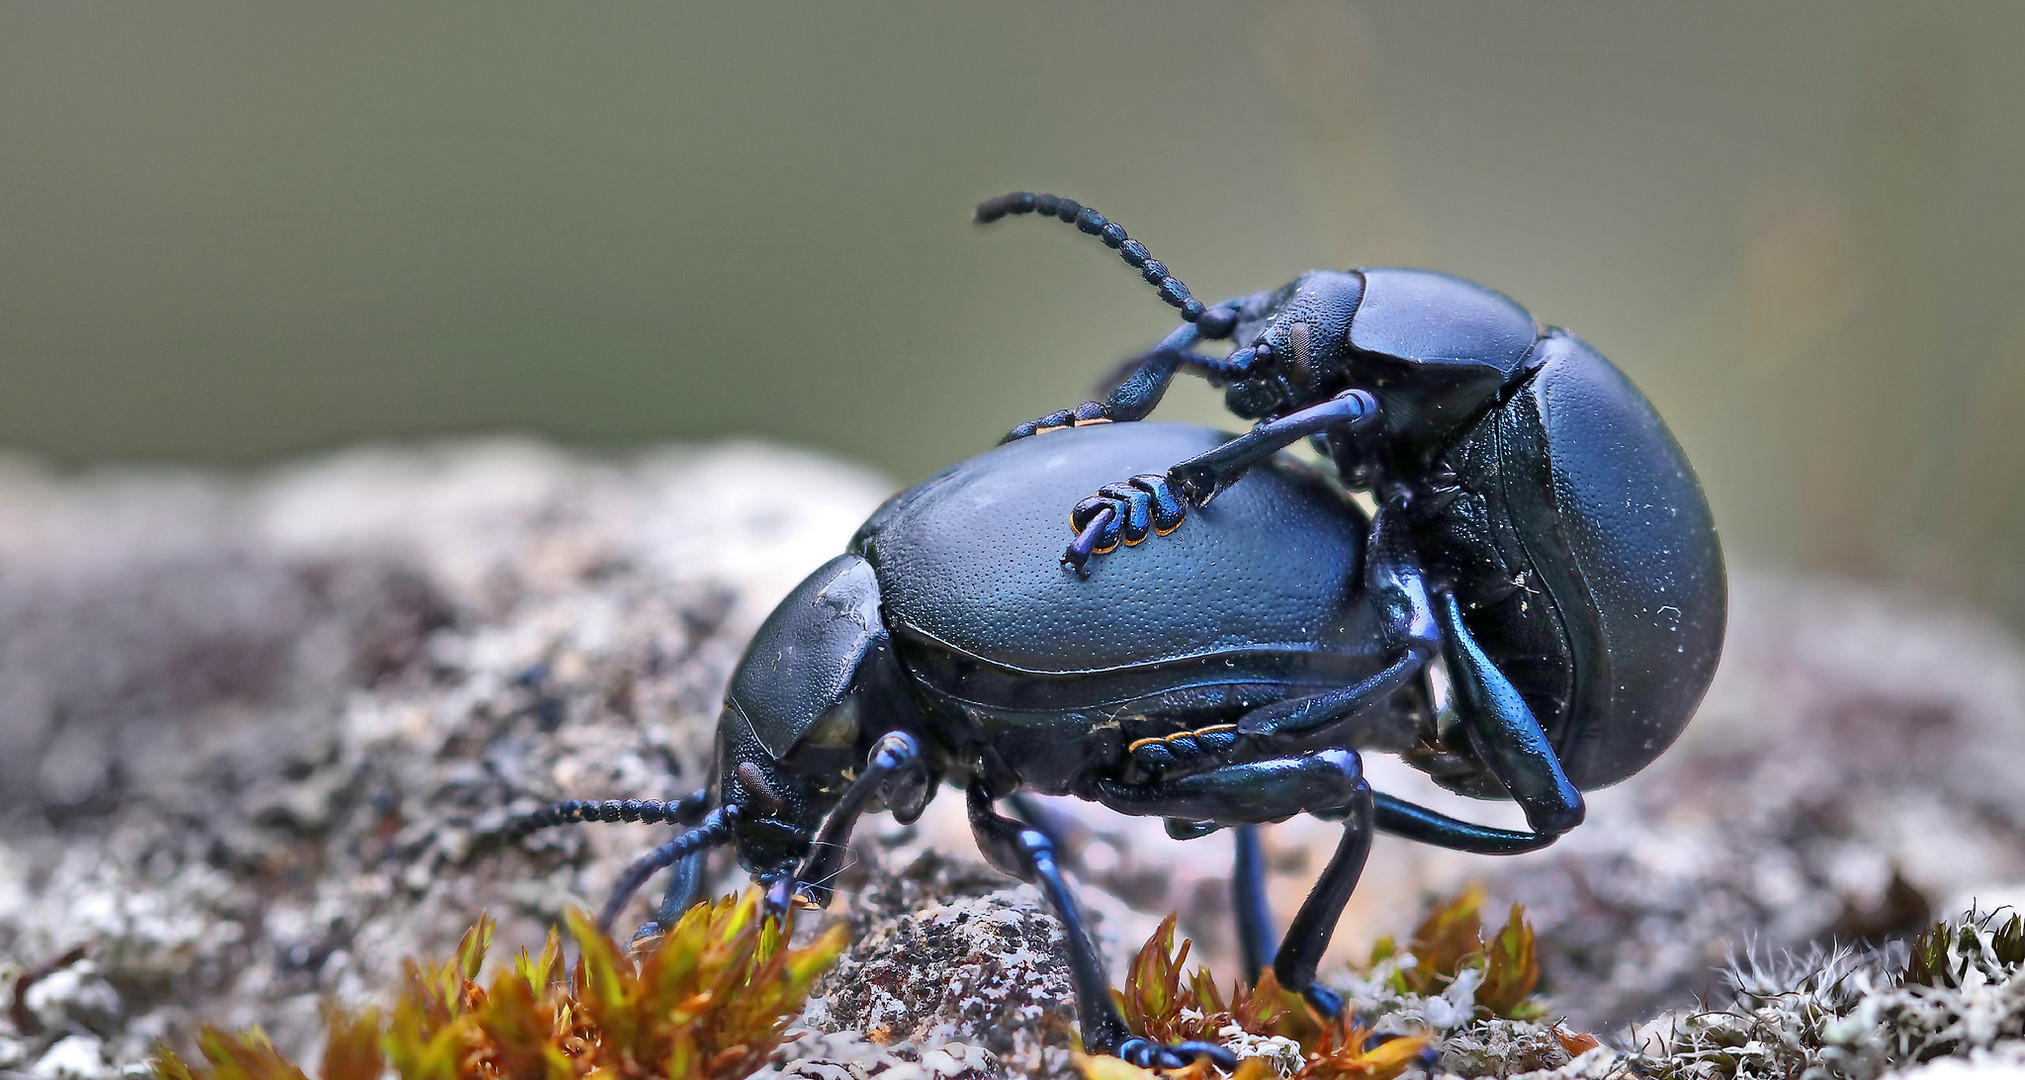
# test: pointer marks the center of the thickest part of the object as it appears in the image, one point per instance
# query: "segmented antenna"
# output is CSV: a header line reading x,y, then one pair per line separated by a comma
x,y
1132,251
684,811
715,831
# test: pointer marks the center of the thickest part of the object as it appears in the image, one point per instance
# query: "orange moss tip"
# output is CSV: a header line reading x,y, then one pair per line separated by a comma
x,y
1450,940
1164,1004
1343,1056
1511,970
711,1003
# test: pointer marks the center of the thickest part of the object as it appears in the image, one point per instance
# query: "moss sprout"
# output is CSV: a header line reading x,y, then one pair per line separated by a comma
x,y
710,1001
1449,947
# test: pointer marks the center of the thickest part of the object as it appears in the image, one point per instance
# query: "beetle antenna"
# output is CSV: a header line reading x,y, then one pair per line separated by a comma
x,y
688,810
714,832
1113,234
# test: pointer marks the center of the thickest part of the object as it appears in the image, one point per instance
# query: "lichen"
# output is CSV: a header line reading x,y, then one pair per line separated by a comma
x,y
1857,1014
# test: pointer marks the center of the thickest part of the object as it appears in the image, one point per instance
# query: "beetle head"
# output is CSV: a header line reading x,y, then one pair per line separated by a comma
x,y
1294,344
789,739
780,806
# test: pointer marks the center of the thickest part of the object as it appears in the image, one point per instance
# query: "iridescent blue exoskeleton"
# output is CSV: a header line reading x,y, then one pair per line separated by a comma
x,y
1539,538
948,645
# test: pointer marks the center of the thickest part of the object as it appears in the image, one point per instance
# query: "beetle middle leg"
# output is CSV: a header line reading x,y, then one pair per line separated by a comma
x,y
1418,623
1248,901
1027,854
1328,784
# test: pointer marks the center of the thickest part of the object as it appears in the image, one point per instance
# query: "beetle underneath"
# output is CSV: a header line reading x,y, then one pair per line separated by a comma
x,y
936,653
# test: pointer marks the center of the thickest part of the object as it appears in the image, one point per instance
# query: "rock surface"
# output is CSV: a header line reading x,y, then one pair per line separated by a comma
x,y
250,729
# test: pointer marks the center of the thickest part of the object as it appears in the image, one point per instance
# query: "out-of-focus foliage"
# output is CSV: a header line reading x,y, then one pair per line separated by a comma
x,y
709,1002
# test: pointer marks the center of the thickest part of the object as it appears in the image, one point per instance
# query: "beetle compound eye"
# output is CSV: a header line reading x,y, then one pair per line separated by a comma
x,y
756,788
1298,336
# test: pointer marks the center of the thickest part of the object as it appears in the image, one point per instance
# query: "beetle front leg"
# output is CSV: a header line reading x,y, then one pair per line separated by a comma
x,y
1124,513
1108,518
1027,854
1147,378
1208,474
895,764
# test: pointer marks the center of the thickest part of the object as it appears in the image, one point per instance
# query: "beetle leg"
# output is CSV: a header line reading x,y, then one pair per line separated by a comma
x,y
895,760
1200,478
1416,822
1137,505
1407,629
714,832
1142,382
1145,503
1064,830
1327,783
1206,475
685,884
1248,900
1315,923
1090,537
1503,731
1027,853
1324,782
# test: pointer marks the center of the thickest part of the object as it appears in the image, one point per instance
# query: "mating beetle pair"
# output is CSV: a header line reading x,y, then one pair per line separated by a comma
x,y
1537,530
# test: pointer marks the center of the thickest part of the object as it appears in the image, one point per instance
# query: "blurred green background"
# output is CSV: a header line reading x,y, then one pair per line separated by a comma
x,y
231,233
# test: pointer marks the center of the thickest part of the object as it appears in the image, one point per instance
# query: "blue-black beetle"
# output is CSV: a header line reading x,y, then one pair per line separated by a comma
x,y
1538,528
948,645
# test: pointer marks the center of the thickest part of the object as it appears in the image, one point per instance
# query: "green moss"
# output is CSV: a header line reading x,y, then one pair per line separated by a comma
x,y
710,1001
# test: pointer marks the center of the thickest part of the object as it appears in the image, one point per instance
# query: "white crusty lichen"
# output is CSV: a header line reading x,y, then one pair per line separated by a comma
x,y
1955,993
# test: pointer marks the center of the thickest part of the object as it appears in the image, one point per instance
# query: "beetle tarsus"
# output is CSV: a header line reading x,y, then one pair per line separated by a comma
x,y
1125,513
1147,1054
1087,541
